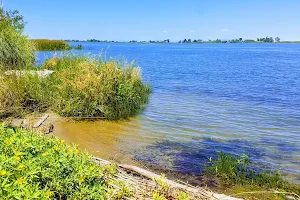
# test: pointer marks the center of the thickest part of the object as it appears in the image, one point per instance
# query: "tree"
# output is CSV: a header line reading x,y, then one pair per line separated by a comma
x,y
16,51
189,40
13,19
184,41
277,39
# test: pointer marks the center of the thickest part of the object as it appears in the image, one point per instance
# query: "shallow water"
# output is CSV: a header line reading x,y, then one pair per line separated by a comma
x,y
236,98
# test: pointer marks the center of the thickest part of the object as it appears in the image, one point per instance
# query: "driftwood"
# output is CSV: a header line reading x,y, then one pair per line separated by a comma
x,y
41,121
145,179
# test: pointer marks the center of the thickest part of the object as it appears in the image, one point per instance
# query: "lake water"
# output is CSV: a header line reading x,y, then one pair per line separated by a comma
x,y
235,98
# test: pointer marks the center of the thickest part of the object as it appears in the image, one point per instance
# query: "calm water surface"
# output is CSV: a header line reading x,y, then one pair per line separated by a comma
x,y
236,98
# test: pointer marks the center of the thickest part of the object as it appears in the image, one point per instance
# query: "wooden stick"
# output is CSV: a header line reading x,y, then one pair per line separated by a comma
x,y
41,121
172,184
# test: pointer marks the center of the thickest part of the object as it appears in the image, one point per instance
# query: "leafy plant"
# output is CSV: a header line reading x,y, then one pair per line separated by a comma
x,y
36,167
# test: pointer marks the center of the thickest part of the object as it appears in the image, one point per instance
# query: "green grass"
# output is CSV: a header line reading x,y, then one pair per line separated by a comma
x,y
35,167
240,177
50,45
15,50
81,87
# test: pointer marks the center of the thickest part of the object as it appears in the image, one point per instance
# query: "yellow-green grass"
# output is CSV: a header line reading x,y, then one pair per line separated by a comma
x,y
50,45
35,167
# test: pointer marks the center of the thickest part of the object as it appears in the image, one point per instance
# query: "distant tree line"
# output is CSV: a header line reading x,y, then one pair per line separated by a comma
x,y
238,40
188,40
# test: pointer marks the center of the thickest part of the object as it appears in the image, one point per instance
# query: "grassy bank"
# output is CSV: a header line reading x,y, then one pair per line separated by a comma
x,y
242,179
81,87
50,45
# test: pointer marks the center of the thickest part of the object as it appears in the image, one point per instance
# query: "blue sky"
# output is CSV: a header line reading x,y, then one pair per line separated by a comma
x,y
159,19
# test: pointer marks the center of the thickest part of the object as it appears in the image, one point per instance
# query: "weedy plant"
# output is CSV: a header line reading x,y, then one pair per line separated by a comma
x,y
237,171
35,167
162,191
50,45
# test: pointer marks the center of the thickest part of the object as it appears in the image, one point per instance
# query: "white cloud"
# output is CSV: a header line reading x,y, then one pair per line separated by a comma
x,y
224,30
191,31
164,31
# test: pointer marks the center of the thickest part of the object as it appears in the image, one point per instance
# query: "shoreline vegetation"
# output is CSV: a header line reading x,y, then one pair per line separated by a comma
x,y
193,41
81,87
36,166
50,45
53,45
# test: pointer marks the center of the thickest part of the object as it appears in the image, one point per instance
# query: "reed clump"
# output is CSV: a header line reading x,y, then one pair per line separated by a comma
x,y
50,45
81,87
88,87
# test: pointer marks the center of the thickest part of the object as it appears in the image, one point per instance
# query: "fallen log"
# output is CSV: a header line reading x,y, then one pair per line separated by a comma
x,y
197,192
41,121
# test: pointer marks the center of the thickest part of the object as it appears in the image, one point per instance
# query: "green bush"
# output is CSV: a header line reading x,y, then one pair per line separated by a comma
x,y
15,50
50,45
35,167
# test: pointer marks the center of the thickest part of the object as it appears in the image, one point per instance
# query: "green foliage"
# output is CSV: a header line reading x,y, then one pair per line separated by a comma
x,y
35,167
51,45
236,170
15,50
13,19
80,87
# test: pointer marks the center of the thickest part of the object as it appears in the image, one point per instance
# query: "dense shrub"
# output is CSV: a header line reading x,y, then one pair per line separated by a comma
x,y
15,50
50,45
36,167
